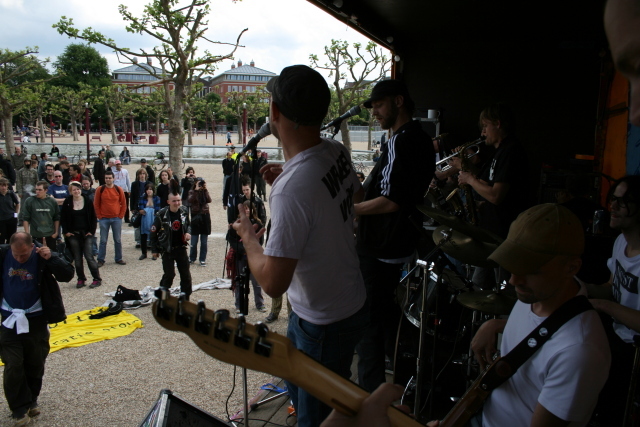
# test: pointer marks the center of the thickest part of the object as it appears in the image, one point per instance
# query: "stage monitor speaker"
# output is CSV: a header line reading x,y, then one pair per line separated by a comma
x,y
171,411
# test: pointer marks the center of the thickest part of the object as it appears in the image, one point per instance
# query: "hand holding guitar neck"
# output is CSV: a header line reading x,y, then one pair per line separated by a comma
x,y
254,347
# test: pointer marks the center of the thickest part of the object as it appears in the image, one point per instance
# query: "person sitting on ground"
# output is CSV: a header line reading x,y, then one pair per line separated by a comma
x,y
55,151
79,222
125,156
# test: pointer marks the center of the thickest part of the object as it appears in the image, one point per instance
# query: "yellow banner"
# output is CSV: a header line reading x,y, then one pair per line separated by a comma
x,y
79,330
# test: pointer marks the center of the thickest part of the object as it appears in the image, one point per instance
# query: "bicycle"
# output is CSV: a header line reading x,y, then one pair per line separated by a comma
x,y
161,162
77,157
359,167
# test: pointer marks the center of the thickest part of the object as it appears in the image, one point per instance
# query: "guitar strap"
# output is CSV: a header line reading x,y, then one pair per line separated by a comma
x,y
507,365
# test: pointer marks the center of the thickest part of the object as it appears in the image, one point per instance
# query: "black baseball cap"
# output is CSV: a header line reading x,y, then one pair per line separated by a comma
x,y
386,88
301,94
143,160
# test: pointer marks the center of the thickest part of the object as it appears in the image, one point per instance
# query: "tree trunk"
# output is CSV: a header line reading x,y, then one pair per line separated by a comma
x,y
189,131
8,132
369,127
157,129
346,138
43,135
176,134
112,126
74,126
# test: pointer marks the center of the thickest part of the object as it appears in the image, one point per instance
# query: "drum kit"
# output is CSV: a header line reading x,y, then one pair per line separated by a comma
x,y
441,302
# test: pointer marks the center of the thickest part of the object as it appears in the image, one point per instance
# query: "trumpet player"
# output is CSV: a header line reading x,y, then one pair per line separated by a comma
x,y
502,185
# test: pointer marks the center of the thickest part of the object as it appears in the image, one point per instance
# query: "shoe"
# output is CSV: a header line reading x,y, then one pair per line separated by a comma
x,y
271,318
154,258
238,311
137,245
100,264
81,284
191,262
262,309
121,262
143,256
95,283
34,410
130,225
203,264
20,421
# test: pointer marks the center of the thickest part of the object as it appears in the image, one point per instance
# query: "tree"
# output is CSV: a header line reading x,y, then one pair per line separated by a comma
x,y
116,106
363,67
178,29
254,103
81,63
71,103
18,71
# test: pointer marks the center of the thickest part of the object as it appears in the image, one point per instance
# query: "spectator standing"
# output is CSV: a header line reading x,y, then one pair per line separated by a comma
x,y
9,208
186,184
26,312
48,174
261,185
110,206
138,192
58,190
17,159
148,206
41,165
257,201
232,195
228,137
7,169
36,133
41,215
98,168
122,180
26,179
108,152
78,220
227,168
90,193
63,166
163,188
151,174
199,200
75,174
85,171
170,234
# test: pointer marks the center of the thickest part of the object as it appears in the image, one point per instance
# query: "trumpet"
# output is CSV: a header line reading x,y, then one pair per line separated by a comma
x,y
443,165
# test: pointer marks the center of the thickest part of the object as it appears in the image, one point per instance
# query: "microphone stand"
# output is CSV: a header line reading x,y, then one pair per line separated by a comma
x,y
336,129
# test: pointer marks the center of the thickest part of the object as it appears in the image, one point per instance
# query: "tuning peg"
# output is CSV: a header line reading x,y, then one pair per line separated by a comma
x,y
182,317
263,348
163,310
202,326
240,339
220,332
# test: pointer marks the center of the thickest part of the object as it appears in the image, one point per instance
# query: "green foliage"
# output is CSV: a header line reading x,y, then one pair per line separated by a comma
x,y
80,63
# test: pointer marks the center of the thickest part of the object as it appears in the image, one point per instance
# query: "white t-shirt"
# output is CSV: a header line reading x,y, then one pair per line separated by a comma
x,y
625,273
565,375
312,216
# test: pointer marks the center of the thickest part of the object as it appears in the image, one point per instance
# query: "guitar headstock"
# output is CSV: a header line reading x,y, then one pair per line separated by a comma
x,y
228,339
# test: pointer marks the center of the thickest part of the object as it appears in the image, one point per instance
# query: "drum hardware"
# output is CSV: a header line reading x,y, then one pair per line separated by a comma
x,y
464,248
492,302
631,395
455,223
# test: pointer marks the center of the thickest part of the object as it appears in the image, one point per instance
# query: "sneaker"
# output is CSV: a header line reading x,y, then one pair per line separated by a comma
x,y
238,311
34,410
271,318
137,245
191,262
81,284
154,258
121,262
100,264
143,256
21,420
262,309
95,283
203,264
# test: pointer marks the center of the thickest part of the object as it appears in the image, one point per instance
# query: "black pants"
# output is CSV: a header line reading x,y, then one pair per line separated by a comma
x,y
7,228
82,247
24,356
179,255
381,280
51,242
126,205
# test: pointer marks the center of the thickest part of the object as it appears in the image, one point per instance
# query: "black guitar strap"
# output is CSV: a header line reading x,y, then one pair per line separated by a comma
x,y
509,364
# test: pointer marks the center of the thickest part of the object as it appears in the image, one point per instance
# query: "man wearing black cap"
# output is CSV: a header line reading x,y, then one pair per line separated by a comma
x,y
387,236
151,175
310,253
560,382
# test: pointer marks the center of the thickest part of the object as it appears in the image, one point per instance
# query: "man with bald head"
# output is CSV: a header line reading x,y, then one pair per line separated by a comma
x,y
26,312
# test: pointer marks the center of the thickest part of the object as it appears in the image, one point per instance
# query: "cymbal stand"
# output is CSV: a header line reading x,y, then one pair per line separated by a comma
x,y
631,395
424,317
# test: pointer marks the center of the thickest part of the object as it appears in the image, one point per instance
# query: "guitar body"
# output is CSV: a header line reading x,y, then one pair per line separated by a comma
x,y
234,341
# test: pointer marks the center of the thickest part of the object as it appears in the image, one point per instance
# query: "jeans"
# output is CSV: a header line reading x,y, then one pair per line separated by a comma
x,y
83,245
380,280
116,225
179,255
24,356
333,346
194,247
257,290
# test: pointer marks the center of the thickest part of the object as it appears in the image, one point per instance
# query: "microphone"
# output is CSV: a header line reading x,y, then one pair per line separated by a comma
x,y
336,122
265,130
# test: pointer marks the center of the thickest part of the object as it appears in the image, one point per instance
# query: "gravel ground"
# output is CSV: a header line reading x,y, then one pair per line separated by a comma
x,y
116,382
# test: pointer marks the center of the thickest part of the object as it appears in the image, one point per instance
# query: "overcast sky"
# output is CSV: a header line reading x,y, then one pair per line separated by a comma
x,y
281,32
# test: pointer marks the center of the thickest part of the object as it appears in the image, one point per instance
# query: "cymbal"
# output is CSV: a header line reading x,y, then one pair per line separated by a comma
x,y
487,301
464,248
457,224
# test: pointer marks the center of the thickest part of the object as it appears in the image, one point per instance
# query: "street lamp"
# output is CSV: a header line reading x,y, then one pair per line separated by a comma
x,y
86,128
100,118
213,130
132,129
244,124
